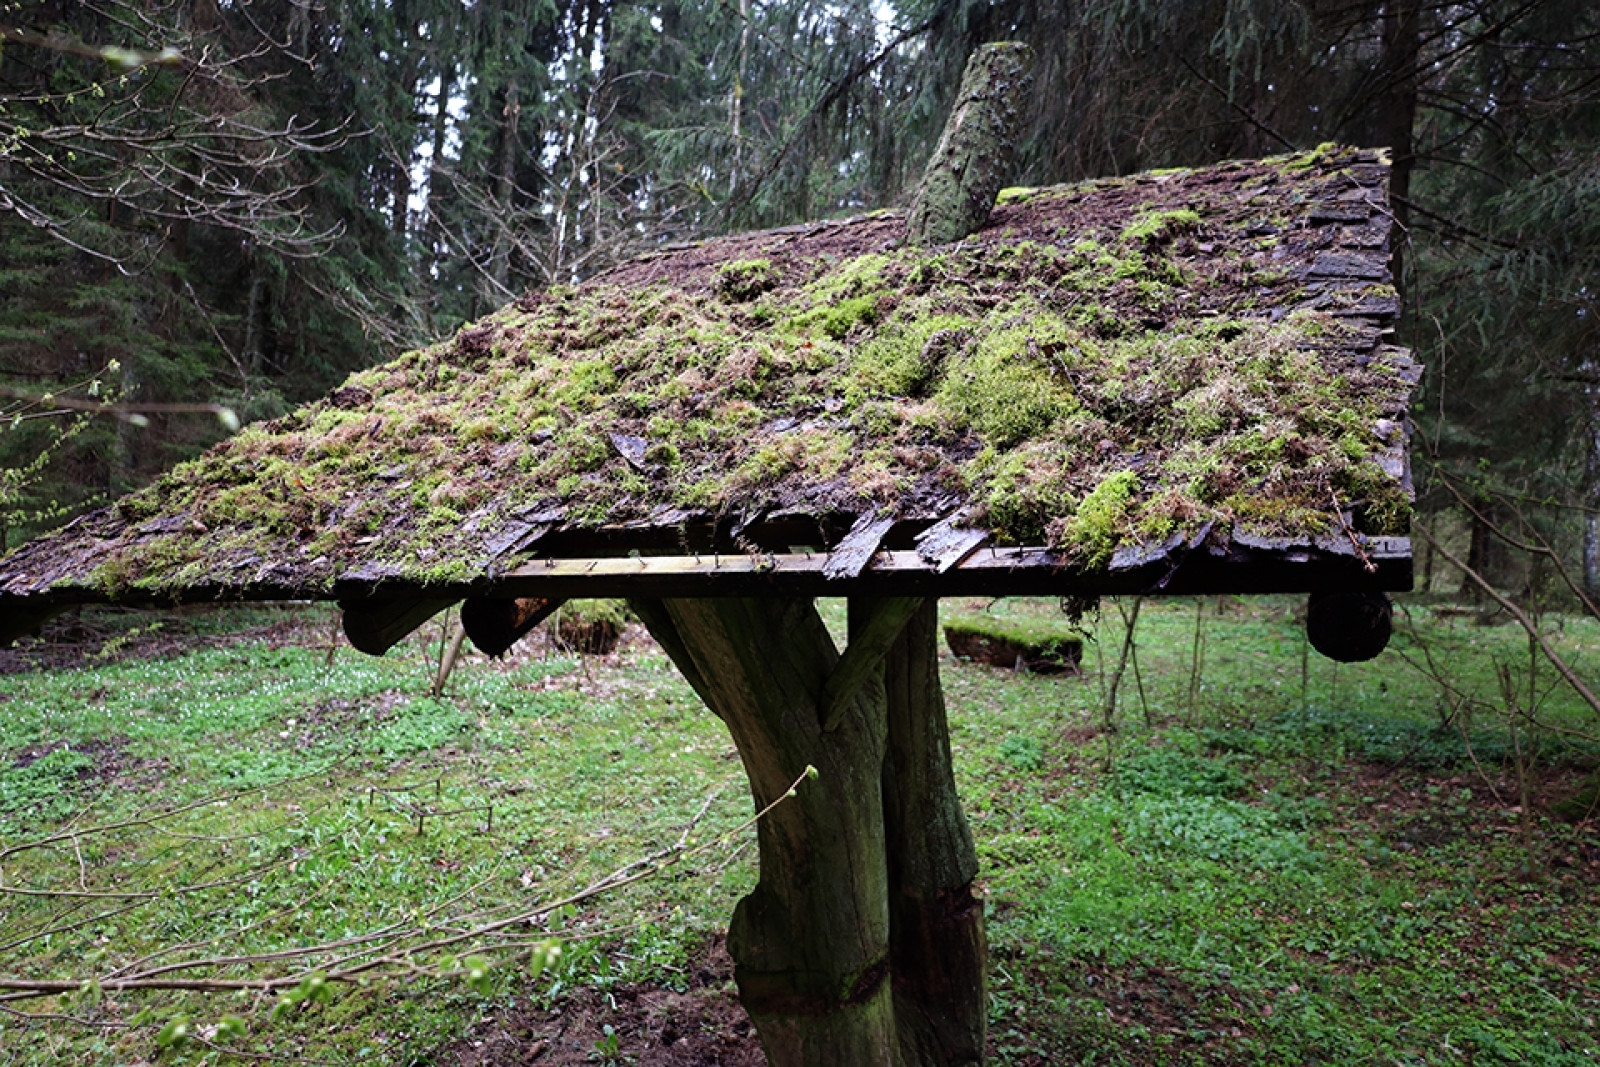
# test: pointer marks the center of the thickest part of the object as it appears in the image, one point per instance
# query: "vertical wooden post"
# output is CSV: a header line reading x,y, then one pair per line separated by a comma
x,y
939,946
811,943
862,943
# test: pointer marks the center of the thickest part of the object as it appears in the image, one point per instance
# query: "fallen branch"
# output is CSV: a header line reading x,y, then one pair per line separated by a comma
x,y
396,956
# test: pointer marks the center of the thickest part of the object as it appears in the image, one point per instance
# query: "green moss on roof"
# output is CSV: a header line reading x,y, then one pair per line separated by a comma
x,y
1106,364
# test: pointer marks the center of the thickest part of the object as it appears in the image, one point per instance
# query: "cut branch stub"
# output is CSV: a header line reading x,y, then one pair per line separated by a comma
x,y
494,624
378,624
976,149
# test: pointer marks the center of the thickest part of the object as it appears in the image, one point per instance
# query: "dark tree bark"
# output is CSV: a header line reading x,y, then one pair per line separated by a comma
x,y
1396,109
811,943
940,949
861,944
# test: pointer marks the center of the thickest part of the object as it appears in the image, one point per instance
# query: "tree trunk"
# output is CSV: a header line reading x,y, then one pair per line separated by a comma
x,y
1397,112
1591,518
866,873
939,947
504,187
977,148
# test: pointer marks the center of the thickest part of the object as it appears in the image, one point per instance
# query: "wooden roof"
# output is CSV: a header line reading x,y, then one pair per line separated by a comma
x,y
1171,382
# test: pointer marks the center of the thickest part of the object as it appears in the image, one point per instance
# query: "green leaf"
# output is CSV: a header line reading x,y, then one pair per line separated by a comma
x,y
175,1033
478,977
545,953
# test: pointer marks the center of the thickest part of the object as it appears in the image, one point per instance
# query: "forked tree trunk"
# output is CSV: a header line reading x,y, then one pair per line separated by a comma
x,y
861,943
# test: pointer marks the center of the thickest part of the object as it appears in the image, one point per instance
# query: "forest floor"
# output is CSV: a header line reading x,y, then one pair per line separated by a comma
x,y
1257,858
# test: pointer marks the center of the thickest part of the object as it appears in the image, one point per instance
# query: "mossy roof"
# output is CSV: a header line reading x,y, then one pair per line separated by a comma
x,y
1112,372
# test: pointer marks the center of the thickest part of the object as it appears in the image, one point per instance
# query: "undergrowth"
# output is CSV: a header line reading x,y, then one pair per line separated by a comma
x,y
1255,866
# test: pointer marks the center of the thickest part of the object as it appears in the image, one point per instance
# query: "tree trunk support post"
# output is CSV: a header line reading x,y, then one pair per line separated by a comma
x,y
861,943
977,149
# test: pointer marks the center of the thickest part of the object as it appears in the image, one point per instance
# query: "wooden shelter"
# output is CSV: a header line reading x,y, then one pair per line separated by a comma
x,y
1175,382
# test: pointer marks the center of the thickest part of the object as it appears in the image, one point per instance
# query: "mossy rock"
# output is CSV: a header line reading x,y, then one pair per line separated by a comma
x,y
589,627
1014,646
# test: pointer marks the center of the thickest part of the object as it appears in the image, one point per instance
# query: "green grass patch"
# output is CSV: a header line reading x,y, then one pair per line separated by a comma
x,y
1252,861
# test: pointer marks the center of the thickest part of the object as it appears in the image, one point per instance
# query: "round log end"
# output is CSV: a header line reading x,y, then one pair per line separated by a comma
x,y
1349,627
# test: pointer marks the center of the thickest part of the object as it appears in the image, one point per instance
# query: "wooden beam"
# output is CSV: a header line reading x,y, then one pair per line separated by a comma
x,y
494,623
1331,564
810,943
1238,565
863,658
936,926
375,626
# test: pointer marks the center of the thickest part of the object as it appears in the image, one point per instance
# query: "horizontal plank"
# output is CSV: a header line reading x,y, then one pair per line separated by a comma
x,y
1026,571
1242,565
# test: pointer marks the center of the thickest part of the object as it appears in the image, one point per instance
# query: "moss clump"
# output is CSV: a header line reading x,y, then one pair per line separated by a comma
x,y
902,360
837,320
1026,488
1100,523
1008,388
746,279
1154,227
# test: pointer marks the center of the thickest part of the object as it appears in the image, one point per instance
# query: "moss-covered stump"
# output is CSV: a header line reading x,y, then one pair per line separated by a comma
x,y
1013,646
589,627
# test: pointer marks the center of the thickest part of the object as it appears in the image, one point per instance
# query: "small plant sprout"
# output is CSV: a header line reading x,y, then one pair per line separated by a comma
x,y
545,953
478,975
175,1033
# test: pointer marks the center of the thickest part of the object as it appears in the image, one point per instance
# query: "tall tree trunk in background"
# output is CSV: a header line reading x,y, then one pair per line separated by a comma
x,y
400,193
736,107
254,312
1591,499
1396,111
505,176
434,244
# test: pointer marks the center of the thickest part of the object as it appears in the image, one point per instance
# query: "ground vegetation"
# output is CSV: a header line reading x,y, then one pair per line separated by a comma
x,y
1146,878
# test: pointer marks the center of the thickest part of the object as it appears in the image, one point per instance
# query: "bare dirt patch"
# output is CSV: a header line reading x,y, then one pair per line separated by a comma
x,y
700,1026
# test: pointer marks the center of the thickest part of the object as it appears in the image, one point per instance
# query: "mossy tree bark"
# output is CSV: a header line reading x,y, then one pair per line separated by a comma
x,y
977,149
861,943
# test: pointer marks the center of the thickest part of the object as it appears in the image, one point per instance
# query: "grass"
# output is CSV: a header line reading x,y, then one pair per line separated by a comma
x,y
1255,866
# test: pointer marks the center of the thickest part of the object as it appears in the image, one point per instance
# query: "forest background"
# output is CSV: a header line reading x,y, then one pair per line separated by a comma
x,y
222,207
